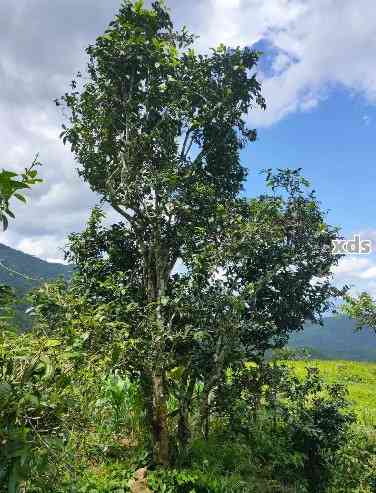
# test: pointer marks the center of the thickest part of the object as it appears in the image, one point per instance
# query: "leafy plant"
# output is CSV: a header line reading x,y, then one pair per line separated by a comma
x,y
11,184
35,401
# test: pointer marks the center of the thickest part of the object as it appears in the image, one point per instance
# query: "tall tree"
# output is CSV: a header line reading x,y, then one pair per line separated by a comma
x,y
157,130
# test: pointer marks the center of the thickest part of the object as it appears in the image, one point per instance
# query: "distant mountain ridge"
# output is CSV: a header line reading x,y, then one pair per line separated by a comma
x,y
24,272
337,339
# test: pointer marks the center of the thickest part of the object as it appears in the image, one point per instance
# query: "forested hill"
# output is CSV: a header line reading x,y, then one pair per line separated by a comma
x,y
337,339
29,271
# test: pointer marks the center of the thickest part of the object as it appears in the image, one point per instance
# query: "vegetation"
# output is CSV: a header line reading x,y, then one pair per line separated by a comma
x,y
12,185
157,131
359,379
361,309
139,375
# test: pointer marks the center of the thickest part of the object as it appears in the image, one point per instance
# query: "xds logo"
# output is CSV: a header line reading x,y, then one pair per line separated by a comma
x,y
351,247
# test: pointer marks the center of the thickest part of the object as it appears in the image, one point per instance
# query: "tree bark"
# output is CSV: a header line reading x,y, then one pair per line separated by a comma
x,y
160,430
183,428
205,413
157,288
185,401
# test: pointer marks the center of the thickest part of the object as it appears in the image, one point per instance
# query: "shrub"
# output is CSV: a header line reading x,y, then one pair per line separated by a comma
x,y
35,400
317,424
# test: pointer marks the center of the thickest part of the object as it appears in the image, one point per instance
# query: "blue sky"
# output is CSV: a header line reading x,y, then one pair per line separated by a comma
x,y
335,144
318,76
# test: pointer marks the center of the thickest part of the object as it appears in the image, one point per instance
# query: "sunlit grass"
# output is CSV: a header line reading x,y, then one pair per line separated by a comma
x,y
359,378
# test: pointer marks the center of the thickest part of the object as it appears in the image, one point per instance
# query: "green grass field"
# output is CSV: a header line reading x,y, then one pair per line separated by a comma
x,y
359,378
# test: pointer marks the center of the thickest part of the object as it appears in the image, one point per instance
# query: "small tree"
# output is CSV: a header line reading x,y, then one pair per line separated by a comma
x,y
243,291
244,294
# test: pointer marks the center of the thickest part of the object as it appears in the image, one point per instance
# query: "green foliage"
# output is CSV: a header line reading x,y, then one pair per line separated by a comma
x,y
211,325
34,403
359,379
318,430
91,420
157,130
149,102
7,301
105,479
308,416
11,184
23,273
125,399
362,310
131,364
355,466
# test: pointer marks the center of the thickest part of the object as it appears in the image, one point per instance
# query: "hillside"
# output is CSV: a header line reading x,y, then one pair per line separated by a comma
x,y
32,269
337,339
24,272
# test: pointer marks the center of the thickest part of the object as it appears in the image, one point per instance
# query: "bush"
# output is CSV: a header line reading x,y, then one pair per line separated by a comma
x,y
318,426
295,427
35,400
355,467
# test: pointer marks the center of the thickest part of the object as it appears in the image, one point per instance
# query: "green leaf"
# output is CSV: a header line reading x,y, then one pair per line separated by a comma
x,y
20,197
5,391
53,343
164,300
138,6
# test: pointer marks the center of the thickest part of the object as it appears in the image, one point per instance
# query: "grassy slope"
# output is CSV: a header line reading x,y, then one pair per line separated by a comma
x,y
359,378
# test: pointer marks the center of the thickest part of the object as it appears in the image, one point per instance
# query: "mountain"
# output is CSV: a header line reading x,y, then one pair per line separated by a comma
x,y
24,272
336,339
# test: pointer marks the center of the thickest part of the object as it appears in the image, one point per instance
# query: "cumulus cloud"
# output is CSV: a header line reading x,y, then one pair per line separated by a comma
x,y
326,43
310,46
358,271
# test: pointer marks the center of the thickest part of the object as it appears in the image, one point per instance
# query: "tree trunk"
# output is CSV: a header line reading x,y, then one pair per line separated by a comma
x,y
205,413
147,392
157,277
183,428
185,401
160,430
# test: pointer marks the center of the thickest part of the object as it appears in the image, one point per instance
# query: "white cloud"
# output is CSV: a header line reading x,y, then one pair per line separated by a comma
x,y
369,273
354,265
315,44
357,272
328,42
